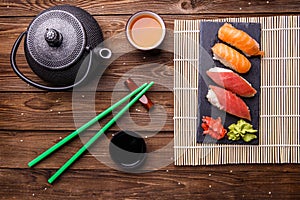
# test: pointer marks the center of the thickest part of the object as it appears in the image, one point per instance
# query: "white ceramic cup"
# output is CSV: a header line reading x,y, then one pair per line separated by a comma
x,y
133,18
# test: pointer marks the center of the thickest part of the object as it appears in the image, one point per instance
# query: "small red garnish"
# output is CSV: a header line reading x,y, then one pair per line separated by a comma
x,y
213,127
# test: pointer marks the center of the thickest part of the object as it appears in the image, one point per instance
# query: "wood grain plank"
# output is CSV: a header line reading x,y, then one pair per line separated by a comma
x,y
32,120
20,147
57,111
230,182
137,64
106,7
160,65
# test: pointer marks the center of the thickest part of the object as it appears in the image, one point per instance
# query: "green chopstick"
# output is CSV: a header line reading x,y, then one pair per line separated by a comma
x,y
97,135
84,127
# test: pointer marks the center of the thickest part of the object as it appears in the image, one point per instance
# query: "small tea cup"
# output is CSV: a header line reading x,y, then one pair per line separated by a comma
x,y
145,30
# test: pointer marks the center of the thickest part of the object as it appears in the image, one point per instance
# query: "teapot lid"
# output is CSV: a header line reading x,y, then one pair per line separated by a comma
x,y
55,39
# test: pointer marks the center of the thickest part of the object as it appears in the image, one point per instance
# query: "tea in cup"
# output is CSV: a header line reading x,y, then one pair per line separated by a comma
x,y
145,30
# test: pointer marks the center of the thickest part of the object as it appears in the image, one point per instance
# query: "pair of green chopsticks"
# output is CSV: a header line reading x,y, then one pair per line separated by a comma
x,y
139,92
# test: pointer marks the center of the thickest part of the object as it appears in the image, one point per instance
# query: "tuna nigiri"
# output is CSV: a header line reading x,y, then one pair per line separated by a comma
x,y
231,81
231,58
240,40
228,101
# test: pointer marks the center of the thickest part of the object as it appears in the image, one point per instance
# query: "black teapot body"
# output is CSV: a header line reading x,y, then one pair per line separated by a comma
x,y
58,42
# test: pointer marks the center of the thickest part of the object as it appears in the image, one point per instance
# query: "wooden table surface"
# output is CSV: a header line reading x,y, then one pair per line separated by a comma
x,y
32,120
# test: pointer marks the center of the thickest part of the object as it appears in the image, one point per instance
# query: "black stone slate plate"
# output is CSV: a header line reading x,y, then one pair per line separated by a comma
x,y
208,38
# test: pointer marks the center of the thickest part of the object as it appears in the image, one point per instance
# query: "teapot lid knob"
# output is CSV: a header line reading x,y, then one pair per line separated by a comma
x,y
53,37
56,39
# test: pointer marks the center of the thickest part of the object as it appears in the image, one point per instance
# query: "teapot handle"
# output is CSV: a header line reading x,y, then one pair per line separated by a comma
x,y
33,83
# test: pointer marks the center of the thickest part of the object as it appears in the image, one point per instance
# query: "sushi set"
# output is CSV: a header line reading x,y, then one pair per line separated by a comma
x,y
223,91
236,81
229,82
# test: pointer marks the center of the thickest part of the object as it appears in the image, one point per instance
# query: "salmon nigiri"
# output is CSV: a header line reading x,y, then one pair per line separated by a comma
x,y
231,58
231,81
240,40
228,101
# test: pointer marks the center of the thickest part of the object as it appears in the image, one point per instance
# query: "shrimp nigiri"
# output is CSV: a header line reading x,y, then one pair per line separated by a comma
x,y
231,58
240,40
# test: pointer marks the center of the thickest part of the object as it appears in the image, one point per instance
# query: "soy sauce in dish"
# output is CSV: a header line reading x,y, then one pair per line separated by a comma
x,y
127,149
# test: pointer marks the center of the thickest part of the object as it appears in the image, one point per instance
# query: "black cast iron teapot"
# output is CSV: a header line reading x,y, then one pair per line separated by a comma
x,y
58,42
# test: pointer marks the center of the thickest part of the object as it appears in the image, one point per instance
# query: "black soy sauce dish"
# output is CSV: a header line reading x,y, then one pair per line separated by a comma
x,y
128,150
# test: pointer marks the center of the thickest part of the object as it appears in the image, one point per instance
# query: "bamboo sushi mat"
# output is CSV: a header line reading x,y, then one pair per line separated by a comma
x,y
279,132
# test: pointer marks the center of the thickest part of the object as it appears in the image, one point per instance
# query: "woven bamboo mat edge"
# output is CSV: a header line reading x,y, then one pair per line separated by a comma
x,y
279,140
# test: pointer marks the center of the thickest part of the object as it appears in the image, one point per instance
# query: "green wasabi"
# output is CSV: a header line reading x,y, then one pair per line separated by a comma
x,y
241,130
